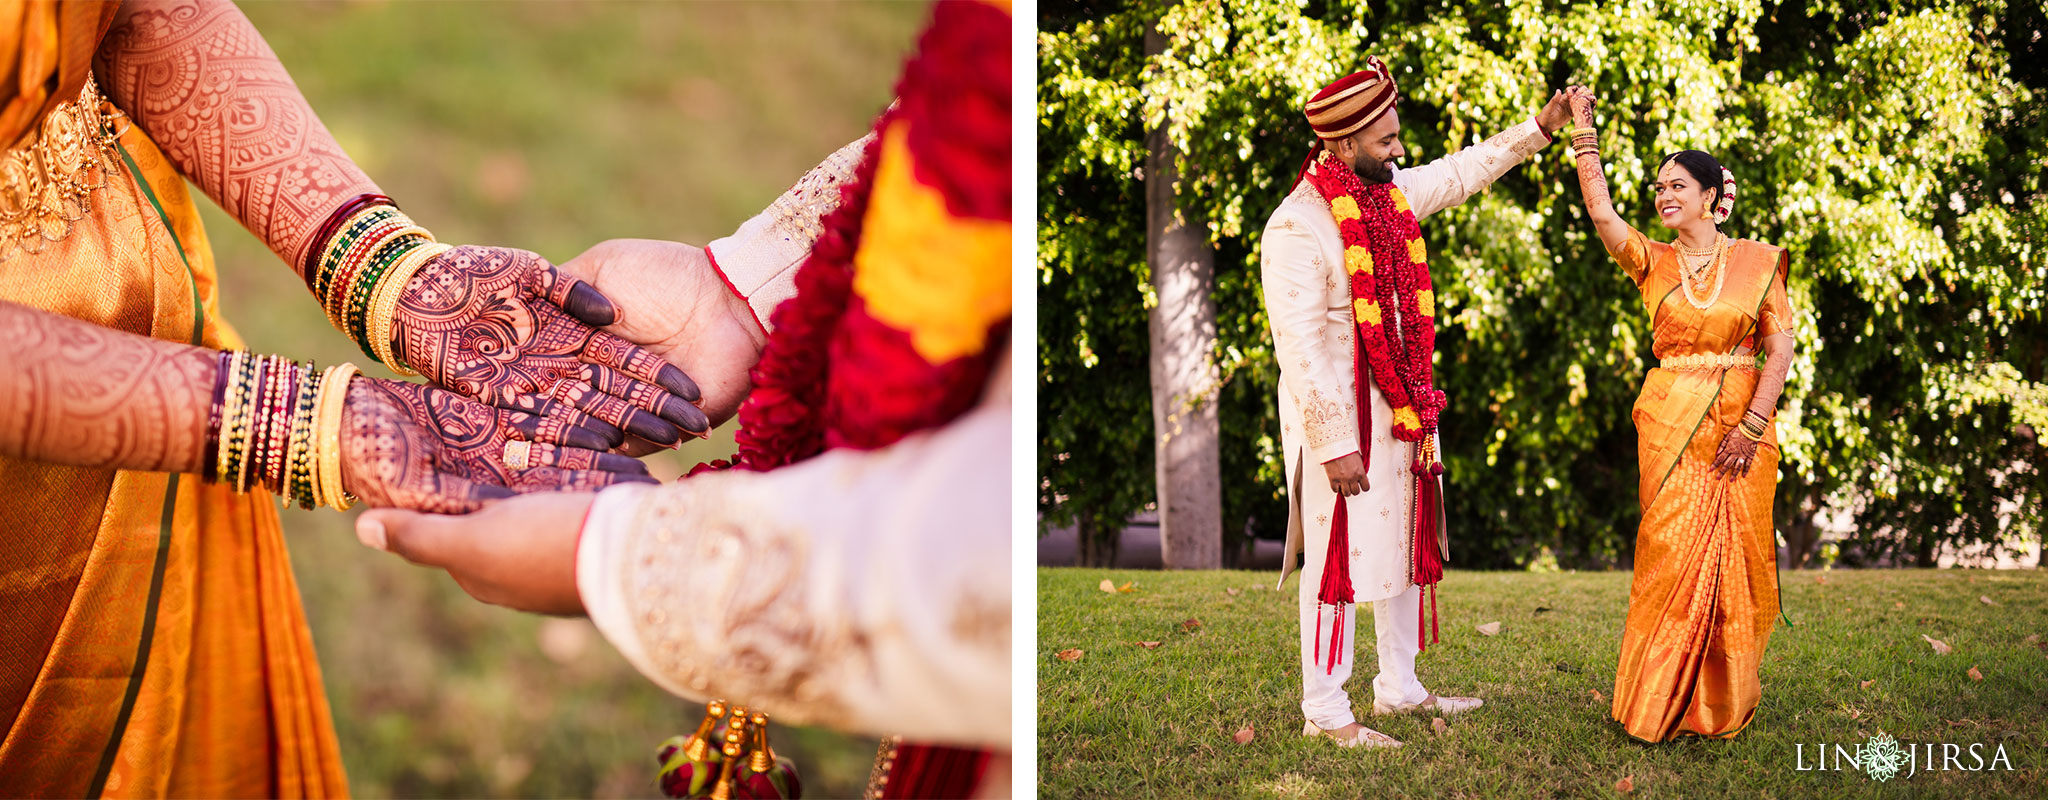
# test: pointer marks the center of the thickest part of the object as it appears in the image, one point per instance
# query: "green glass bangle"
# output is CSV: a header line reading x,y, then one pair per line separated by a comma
x,y
330,260
358,314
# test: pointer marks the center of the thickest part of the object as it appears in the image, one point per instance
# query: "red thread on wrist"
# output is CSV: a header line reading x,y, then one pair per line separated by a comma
x,y
720,271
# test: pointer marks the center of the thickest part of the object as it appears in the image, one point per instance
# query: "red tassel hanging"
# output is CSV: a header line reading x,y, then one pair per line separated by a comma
x,y
1336,587
1428,561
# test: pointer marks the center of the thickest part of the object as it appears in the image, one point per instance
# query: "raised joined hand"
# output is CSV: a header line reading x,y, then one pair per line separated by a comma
x,y
503,326
414,446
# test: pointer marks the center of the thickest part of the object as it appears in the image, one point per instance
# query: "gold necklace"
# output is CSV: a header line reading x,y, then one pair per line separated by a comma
x,y
1717,260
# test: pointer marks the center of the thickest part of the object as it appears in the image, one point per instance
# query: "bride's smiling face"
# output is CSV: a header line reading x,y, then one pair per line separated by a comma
x,y
1678,197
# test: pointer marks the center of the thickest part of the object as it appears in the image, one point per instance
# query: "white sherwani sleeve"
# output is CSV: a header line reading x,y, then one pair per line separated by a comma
x,y
1296,278
1447,181
759,261
865,591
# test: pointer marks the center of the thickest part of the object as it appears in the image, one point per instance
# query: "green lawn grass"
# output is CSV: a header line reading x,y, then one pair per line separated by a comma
x,y
548,126
1126,721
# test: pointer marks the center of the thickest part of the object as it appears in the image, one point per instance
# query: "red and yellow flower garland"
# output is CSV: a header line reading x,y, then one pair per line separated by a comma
x,y
904,302
1389,268
1388,264
907,348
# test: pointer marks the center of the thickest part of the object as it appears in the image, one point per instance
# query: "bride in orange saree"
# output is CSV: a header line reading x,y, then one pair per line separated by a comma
x,y
1705,590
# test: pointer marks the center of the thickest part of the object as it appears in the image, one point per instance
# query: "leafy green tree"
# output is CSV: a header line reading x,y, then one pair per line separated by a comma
x,y
1896,149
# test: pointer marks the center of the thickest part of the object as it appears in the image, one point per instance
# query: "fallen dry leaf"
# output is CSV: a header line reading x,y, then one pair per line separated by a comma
x,y
1127,586
1941,648
1898,604
1191,625
1855,714
1490,629
1107,585
1625,785
1244,735
1597,697
1070,654
1233,592
1820,579
1439,725
2033,638
1148,645
1986,600
1974,674
1866,684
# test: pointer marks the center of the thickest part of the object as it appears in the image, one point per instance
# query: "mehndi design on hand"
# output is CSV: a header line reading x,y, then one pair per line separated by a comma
x,y
503,326
415,446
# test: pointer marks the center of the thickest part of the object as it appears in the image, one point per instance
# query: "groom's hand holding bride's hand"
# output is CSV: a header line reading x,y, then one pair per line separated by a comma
x,y
519,553
674,305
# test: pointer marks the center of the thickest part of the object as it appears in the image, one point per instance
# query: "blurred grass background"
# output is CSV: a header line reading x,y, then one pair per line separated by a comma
x,y
548,126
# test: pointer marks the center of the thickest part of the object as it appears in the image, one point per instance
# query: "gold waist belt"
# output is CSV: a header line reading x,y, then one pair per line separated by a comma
x,y
47,182
1709,361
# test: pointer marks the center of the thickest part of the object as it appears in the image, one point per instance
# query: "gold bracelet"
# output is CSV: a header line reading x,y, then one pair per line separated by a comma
x,y
1748,433
357,259
384,303
229,397
333,397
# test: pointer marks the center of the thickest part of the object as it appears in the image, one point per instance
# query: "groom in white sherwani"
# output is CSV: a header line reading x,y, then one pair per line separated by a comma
x,y
1331,259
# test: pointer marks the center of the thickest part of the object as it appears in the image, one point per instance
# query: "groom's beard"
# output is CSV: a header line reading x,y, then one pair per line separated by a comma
x,y
1373,171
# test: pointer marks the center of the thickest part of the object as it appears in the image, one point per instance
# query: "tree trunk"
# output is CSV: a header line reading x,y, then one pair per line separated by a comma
x,y
1096,542
1802,532
1182,329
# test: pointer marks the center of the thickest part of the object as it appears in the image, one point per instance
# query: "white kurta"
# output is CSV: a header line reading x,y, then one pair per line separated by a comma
x,y
1308,301
865,591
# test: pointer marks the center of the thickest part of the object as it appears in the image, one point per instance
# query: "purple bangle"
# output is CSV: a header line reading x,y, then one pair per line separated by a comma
x,y
209,466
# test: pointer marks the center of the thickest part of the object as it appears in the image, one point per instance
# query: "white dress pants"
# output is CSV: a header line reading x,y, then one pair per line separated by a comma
x,y
1323,699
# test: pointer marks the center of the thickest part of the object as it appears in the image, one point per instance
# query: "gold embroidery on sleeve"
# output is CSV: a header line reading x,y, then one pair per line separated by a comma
x,y
723,608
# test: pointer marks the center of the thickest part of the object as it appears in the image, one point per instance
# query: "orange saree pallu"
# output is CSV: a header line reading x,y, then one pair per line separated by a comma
x,y
151,638
1705,589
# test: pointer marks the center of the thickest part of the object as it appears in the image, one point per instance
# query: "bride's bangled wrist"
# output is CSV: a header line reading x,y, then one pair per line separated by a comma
x,y
358,265
276,423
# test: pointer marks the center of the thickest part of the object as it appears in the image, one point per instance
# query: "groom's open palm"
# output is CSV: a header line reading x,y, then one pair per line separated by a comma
x,y
673,304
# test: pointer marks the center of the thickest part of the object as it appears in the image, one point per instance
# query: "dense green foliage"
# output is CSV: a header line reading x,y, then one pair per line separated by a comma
x,y
1896,149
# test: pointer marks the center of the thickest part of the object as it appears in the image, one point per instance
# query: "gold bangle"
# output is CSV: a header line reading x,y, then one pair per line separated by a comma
x,y
333,397
353,267
1749,434
223,451
384,302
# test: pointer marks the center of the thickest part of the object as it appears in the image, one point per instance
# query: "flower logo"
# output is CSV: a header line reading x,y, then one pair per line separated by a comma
x,y
1882,757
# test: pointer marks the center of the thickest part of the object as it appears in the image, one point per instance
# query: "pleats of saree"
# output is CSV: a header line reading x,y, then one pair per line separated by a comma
x,y
1705,593
152,642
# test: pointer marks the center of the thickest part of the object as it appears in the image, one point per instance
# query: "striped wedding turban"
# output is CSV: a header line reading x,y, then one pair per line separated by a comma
x,y
1353,102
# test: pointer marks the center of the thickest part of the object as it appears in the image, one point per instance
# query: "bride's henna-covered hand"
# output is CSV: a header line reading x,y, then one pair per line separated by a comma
x,y
1736,455
503,326
413,446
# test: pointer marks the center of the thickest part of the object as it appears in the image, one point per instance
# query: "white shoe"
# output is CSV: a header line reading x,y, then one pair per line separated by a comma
x,y
1364,737
1440,705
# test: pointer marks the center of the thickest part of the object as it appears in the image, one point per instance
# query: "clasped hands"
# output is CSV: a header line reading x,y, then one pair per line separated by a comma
x,y
616,353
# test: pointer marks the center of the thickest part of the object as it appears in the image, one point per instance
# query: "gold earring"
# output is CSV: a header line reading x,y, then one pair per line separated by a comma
x,y
1706,213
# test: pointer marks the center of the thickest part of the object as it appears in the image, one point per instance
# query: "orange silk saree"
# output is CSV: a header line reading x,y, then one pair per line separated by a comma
x,y
151,639
1705,591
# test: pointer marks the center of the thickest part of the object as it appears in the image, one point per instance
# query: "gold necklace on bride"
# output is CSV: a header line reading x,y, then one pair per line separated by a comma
x,y
1693,266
